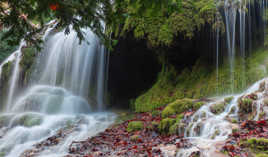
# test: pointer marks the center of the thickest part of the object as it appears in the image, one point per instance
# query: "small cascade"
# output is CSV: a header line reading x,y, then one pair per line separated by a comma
x,y
207,129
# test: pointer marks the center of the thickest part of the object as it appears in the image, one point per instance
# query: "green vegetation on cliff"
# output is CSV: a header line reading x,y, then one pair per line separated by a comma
x,y
201,81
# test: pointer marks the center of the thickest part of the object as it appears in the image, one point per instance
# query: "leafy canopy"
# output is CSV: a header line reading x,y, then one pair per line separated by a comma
x,y
157,21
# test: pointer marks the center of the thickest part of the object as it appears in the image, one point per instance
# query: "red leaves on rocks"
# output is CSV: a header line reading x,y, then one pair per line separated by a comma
x,y
248,129
116,141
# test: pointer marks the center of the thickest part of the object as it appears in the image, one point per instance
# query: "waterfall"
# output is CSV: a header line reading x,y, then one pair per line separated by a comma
x,y
77,68
68,81
242,12
230,10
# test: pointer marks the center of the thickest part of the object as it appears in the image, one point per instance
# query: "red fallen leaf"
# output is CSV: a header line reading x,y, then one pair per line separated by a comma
x,y
261,122
229,147
244,124
135,147
140,140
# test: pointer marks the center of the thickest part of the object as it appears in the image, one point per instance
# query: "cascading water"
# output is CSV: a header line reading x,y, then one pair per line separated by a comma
x,y
15,75
67,83
207,130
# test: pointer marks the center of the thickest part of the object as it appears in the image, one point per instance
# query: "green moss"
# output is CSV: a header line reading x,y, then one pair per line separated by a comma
x,y
234,121
235,130
179,117
228,99
218,108
168,111
165,125
27,62
257,145
173,129
245,105
28,120
180,106
261,155
135,126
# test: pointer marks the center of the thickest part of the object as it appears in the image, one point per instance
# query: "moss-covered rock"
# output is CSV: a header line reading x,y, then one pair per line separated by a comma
x,y
174,129
261,155
180,106
27,62
228,99
179,117
165,125
28,120
257,145
4,120
245,105
135,126
218,108
262,86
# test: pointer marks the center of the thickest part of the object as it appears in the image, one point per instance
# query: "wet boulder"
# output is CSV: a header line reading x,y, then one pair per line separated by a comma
x,y
4,120
165,125
245,105
180,106
218,107
27,120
